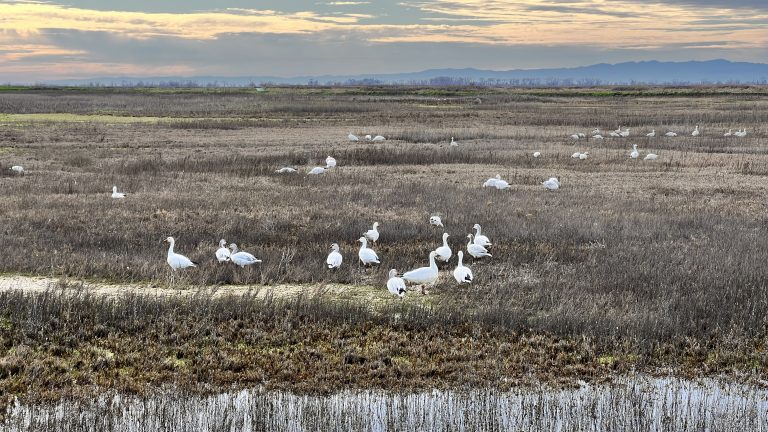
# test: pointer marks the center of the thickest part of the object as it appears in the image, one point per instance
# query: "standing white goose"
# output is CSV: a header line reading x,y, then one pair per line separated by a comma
x,y
729,133
177,261
476,250
330,162
317,171
635,154
651,134
223,253
695,131
436,221
242,258
334,258
116,194
352,137
424,275
462,273
367,255
479,238
396,285
373,233
444,252
552,184
454,143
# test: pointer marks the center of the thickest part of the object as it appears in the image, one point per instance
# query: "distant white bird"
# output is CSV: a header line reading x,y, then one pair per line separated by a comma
x,y
286,170
476,250
651,156
670,134
596,131
223,253
444,252
330,162
18,169
575,137
537,154
491,182
424,275
584,155
598,136
368,137
741,133
116,194
624,133
576,155
334,258
615,134
651,133
500,184
317,170
695,132
367,255
373,233
353,137
454,143
242,258
480,238
581,135
436,221
177,261
635,154
462,273
729,133
552,184
396,285
378,138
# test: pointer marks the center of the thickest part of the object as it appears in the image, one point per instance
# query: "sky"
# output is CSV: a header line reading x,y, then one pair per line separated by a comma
x,y
47,40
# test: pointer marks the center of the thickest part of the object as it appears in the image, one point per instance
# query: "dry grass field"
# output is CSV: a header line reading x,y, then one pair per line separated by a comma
x,y
661,262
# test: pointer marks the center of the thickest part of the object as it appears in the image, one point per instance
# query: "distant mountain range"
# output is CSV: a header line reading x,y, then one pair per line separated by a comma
x,y
645,72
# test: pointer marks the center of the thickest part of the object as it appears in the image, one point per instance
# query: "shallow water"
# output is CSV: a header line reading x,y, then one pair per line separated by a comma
x,y
629,404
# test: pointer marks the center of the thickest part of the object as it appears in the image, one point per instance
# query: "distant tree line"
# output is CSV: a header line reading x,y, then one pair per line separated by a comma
x,y
444,81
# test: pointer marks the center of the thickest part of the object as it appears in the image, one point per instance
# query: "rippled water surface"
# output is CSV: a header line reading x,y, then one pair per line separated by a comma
x,y
638,403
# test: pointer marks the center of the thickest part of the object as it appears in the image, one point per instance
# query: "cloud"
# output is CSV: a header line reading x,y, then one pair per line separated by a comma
x,y
48,39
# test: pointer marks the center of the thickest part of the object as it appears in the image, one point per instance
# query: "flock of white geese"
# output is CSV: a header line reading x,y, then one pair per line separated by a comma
x,y
477,243
477,247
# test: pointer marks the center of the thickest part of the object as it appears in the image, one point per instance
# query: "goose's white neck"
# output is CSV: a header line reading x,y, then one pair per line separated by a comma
x,y
445,240
461,258
432,263
363,243
170,247
477,229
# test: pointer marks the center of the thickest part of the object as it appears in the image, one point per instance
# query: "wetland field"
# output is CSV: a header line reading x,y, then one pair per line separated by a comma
x,y
634,297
